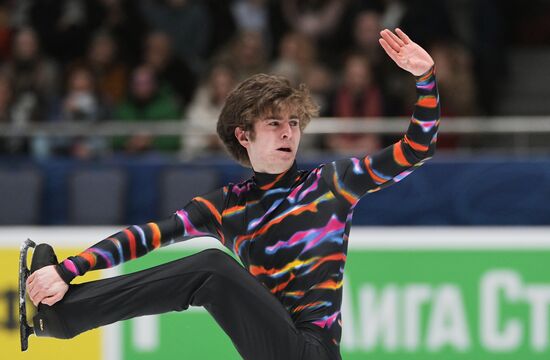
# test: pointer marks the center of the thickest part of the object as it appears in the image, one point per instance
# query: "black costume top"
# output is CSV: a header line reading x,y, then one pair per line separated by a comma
x,y
290,230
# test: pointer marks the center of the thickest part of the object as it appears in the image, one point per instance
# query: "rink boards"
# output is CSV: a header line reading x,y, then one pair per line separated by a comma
x,y
410,293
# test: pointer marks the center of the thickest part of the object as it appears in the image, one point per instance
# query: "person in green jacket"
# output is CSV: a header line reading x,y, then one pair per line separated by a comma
x,y
147,101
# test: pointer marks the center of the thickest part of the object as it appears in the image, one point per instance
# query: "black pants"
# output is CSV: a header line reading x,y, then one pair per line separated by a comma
x,y
254,319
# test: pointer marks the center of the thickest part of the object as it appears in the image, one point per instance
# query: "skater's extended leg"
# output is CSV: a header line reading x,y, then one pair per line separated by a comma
x,y
254,319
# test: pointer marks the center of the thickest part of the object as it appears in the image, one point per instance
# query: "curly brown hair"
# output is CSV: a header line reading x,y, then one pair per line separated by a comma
x,y
258,96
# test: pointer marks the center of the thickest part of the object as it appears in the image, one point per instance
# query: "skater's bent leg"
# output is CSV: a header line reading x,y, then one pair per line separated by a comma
x,y
160,289
254,319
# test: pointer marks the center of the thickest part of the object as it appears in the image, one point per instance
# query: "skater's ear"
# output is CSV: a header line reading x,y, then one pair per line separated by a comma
x,y
242,136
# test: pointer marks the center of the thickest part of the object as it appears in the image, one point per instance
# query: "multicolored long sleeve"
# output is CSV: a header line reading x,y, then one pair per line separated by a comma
x,y
352,178
201,217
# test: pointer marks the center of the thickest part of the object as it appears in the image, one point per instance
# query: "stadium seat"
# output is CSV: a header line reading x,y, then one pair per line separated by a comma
x,y
97,197
178,186
20,197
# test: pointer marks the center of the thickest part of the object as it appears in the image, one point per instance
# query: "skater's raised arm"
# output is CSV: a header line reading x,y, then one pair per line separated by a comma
x,y
352,178
200,217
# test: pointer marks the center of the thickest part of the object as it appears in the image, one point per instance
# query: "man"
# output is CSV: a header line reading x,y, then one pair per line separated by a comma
x,y
289,227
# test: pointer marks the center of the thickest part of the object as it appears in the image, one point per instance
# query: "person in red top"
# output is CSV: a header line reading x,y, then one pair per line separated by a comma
x,y
289,228
358,96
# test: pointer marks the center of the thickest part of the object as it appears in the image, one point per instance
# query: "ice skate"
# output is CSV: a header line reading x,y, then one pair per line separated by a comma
x,y
43,255
24,328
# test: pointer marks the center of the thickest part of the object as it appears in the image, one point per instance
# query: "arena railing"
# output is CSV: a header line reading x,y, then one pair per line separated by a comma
x,y
519,132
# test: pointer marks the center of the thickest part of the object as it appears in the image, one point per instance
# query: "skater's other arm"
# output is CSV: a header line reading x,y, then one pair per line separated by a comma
x,y
200,217
352,178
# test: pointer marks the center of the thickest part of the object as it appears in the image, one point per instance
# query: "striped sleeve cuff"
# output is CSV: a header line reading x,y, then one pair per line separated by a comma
x,y
67,270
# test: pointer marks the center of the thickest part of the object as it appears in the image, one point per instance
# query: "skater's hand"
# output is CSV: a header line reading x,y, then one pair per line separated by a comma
x,y
46,286
407,54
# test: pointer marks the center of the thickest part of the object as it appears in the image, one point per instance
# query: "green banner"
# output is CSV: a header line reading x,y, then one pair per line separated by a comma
x,y
398,304
447,304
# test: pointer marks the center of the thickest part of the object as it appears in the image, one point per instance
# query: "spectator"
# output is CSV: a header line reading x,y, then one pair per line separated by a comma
x,y
188,24
455,78
110,74
205,108
81,103
35,84
171,71
147,101
358,96
366,32
367,25
251,15
456,84
254,15
82,100
6,97
296,54
124,22
320,81
246,54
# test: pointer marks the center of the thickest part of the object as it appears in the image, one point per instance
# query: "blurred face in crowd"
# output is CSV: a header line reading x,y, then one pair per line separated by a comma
x,y
144,84
222,81
249,49
273,144
81,80
318,79
158,49
367,29
298,48
448,61
102,50
26,45
80,103
357,73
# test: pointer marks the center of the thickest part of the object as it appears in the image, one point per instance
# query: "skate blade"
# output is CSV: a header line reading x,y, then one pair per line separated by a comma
x,y
24,272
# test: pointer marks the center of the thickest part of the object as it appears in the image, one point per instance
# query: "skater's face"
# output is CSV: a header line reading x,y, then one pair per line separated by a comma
x,y
274,141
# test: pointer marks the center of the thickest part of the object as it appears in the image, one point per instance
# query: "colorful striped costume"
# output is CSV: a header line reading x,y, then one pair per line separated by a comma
x,y
289,230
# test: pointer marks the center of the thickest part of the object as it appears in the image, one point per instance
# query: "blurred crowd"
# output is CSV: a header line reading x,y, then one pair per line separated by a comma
x,y
146,60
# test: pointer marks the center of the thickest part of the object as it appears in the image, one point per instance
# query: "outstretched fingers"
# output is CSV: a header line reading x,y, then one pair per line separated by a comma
x,y
404,37
396,38
389,50
390,38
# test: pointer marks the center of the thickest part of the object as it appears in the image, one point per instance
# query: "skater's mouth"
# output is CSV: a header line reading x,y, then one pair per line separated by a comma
x,y
285,149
